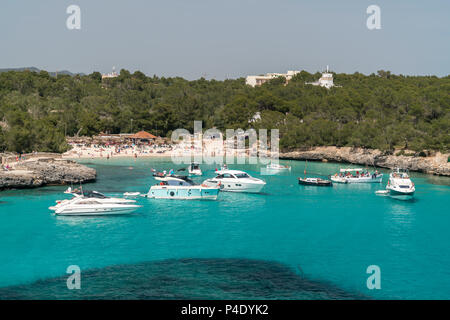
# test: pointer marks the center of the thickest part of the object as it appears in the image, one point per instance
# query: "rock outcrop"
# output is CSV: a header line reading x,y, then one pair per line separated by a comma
x,y
437,164
40,172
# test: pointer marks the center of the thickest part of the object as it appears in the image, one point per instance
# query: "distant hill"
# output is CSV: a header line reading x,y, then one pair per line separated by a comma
x,y
34,69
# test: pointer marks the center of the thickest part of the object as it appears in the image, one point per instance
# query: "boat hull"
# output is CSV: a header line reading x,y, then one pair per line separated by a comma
x,y
401,195
366,180
339,180
249,188
232,186
95,211
370,179
324,183
183,193
281,169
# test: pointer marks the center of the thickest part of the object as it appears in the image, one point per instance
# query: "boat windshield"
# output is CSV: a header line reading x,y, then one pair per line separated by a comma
x,y
224,176
241,175
401,175
94,194
180,183
176,181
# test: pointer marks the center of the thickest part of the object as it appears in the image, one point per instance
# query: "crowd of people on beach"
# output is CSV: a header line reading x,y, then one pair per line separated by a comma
x,y
90,150
109,150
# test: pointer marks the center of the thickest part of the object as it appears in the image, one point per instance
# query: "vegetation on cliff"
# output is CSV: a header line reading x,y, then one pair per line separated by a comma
x,y
379,111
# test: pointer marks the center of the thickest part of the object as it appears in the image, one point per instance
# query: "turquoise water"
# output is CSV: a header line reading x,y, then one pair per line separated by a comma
x,y
330,235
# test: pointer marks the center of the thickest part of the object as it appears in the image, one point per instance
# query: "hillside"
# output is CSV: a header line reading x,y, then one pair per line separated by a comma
x,y
379,111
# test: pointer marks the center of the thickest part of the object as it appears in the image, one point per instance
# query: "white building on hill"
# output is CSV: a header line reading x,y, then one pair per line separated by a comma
x,y
259,80
326,80
112,74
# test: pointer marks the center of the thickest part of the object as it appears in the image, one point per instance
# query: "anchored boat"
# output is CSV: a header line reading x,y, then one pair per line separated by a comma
x,y
181,187
276,167
400,185
357,176
93,203
315,182
194,169
236,181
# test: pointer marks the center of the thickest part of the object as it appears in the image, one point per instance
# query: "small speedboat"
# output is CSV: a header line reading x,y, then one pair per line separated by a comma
x,y
235,181
131,194
158,173
181,187
400,185
357,176
194,169
315,182
277,167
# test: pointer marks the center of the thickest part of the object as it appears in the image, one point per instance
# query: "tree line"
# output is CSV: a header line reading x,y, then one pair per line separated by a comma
x,y
380,111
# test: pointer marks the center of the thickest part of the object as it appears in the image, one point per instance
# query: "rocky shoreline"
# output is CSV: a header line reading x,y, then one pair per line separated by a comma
x,y
436,164
48,171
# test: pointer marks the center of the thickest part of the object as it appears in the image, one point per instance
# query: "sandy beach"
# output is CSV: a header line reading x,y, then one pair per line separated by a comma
x,y
215,148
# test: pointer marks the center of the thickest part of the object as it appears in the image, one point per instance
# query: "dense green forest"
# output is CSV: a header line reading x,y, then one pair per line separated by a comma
x,y
382,110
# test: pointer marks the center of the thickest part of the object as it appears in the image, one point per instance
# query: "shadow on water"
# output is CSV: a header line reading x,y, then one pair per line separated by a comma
x,y
438,180
185,279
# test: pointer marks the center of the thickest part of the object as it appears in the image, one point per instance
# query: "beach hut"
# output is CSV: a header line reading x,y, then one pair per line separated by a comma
x,y
142,137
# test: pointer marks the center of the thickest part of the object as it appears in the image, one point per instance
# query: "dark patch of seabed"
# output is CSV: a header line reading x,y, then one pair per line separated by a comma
x,y
184,279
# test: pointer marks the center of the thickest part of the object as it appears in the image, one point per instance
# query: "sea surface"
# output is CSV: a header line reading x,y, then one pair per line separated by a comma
x,y
290,242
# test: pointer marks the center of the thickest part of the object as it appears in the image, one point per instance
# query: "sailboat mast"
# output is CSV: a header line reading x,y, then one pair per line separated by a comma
x,y
306,164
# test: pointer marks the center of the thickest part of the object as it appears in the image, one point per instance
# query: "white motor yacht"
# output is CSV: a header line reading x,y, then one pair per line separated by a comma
x,y
236,181
276,167
83,206
400,185
357,176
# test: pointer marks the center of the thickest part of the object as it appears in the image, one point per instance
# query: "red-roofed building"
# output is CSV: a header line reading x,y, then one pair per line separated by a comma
x,y
142,136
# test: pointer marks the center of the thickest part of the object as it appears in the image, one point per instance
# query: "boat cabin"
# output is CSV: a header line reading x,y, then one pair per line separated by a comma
x,y
176,181
236,175
195,166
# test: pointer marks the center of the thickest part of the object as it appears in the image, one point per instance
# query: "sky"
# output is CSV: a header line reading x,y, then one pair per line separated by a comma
x,y
228,38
